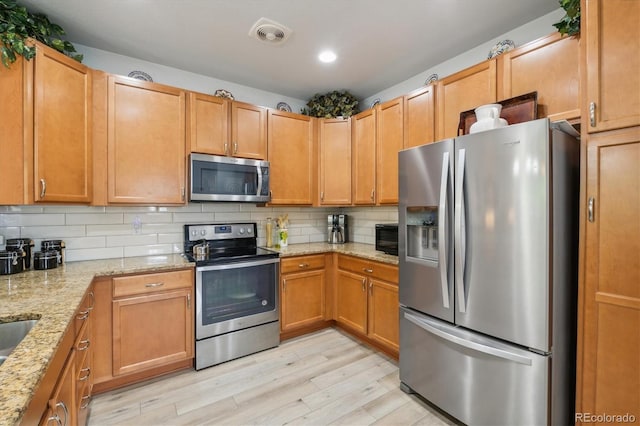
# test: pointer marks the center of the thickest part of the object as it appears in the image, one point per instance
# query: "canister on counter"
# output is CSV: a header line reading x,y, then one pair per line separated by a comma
x,y
45,259
57,245
26,244
11,262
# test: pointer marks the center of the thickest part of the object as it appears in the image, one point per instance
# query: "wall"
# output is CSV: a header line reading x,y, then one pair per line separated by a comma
x,y
109,232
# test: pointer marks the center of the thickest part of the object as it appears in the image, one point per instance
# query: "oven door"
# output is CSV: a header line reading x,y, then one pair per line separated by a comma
x,y
234,296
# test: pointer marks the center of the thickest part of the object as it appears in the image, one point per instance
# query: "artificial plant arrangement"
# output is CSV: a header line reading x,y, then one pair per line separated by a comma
x,y
570,23
339,103
17,24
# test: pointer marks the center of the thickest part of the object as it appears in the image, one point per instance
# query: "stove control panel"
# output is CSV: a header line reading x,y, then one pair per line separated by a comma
x,y
221,231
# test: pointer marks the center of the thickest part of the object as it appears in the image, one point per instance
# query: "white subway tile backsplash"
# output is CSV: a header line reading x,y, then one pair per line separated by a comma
x,y
109,232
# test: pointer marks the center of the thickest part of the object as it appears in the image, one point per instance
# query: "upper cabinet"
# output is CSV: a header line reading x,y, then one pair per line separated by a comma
x,y
208,118
335,161
248,131
223,127
390,140
420,117
363,146
461,92
146,149
611,40
292,157
550,66
46,143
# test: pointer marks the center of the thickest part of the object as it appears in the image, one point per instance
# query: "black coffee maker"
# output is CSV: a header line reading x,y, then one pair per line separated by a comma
x,y
337,229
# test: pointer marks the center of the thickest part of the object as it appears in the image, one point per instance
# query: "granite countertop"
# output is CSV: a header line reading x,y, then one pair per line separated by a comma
x,y
366,251
53,296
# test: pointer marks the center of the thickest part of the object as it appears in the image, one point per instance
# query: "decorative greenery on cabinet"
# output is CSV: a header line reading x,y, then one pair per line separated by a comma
x,y
17,24
570,23
339,103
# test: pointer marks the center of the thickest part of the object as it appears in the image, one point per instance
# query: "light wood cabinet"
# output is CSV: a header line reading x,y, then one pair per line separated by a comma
x,y
143,326
221,126
463,91
611,49
292,157
335,161
302,290
363,146
389,140
367,301
420,116
609,295
46,142
60,408
208,118
550,66
146,149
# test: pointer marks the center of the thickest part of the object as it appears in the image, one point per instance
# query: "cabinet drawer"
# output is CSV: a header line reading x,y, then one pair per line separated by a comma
x,y
302,263
149,283
369,268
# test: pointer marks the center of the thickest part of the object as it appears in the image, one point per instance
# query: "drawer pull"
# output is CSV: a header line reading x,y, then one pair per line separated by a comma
x,y
367,270
83,345
364,284
83,315
153,285
86,376
303,265
84,404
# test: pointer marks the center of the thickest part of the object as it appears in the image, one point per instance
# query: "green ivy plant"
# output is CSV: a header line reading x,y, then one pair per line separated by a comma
x,y
570,23
17,24
339,103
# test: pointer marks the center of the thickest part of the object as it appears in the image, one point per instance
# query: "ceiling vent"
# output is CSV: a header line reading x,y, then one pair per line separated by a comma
x,y
270,31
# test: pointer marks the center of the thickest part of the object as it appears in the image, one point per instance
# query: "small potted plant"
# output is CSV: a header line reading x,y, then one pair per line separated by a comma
x,y
17,25
570,23
339,103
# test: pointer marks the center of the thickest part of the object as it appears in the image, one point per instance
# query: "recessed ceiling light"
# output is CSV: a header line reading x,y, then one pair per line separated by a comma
x,y
327,56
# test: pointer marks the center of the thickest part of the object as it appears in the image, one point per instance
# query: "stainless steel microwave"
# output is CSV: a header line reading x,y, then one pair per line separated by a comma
x,y
217,178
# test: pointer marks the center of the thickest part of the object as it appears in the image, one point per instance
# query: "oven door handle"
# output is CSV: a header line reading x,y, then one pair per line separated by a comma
x,y
236,265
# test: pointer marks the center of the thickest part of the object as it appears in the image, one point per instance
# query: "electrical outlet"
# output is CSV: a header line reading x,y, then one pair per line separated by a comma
x,y
137,224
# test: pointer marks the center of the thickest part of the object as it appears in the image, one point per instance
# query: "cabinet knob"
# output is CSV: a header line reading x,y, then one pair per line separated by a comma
x,y
43,188
364,284
368,270
592,114
235,147
591,209
303,265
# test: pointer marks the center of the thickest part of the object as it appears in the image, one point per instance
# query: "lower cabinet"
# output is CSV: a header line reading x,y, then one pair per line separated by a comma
x,y
367,301
65,391
144,326
303,292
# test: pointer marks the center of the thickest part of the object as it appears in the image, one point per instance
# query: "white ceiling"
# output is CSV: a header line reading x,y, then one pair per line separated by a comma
x,y
378,42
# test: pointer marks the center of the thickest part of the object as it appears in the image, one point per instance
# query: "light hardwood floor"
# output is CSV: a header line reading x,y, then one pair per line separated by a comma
x,y
318,379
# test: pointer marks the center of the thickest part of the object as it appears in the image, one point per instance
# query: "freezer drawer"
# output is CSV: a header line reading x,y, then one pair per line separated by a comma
x,y
478,380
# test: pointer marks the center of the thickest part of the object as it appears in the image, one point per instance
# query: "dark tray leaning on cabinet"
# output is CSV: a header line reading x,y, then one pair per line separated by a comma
x,y
515,110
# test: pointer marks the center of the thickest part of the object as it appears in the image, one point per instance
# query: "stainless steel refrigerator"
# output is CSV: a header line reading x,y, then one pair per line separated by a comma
x,y
488,274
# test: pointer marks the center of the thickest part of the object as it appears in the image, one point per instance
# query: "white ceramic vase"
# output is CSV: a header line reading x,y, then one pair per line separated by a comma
x,y
488,117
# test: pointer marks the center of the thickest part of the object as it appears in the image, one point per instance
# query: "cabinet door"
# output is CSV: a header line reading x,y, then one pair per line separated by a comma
x,y
363,144
462,91
550,66
61,128
390,140
335,161
351,294
419,117
611,36
303,299
208,124
291,147
146,142
61,407
609,313
248,131
152,330
384,322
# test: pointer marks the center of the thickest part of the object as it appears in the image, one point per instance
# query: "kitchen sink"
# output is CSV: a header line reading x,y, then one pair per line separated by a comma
x,y
11,334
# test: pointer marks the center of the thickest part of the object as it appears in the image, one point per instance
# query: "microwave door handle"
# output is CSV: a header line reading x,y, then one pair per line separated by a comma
x,y
442,229
259,180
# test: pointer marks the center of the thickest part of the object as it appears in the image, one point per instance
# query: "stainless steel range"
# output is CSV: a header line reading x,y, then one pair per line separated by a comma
x,y
237,299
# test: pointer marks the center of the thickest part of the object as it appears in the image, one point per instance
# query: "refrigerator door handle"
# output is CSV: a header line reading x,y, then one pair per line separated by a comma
x,y
442,231
459,245
486,349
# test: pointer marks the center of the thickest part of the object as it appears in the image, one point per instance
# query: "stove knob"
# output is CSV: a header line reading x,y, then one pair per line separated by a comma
x,y
249,230
241,231
203,232
194,232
